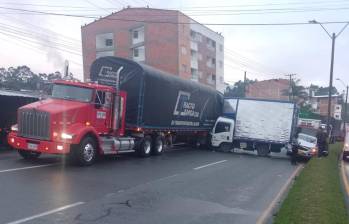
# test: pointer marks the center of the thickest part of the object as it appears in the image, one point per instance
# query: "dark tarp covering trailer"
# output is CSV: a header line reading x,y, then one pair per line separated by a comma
x,y
158,100
10,101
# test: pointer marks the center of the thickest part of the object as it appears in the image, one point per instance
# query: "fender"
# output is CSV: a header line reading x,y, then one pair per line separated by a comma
x,y
79,131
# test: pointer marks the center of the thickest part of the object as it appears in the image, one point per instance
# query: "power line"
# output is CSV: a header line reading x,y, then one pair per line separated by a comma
x,y
195,7
170,22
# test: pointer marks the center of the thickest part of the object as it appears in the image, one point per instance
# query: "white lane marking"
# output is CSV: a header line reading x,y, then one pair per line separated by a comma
x,y
26,168
46,213
210,164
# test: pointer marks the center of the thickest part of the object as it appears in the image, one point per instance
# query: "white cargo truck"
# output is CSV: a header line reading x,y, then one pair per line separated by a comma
x,y
255,124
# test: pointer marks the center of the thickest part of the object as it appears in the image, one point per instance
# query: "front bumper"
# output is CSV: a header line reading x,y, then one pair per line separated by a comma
x,y
48,147
306,153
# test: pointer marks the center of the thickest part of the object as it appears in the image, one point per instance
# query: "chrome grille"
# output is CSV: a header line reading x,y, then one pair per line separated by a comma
x,y
34,124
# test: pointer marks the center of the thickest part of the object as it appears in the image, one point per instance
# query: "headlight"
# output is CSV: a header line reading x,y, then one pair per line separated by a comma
x,y
313,150
66,136
14,127
346,147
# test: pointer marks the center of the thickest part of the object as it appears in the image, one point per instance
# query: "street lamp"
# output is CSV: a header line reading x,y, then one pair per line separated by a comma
x,y
346,101
333,38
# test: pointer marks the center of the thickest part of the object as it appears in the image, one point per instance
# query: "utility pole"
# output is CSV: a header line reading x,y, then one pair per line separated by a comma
x,y
290,92
245,84
333,38
330,86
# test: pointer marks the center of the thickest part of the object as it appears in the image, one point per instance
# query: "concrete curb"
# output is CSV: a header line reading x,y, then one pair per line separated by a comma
x,y
268,213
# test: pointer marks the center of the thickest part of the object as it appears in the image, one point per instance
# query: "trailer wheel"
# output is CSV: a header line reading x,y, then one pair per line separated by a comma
x,y
262,150
158,145
86,152
145,147
29,155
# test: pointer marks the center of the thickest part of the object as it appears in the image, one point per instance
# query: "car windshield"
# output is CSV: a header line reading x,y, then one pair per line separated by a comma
x,y
307,138
75,93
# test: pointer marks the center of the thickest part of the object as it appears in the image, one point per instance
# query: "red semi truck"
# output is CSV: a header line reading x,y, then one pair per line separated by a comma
x,y
128,107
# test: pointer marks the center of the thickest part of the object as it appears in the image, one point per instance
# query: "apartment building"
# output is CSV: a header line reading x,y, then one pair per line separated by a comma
x,y
165,39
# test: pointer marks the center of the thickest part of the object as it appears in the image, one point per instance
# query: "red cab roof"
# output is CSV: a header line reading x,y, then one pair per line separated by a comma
x,y
85,85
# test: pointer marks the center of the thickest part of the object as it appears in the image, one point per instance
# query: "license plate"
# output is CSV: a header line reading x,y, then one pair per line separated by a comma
x,y
32,146
243,145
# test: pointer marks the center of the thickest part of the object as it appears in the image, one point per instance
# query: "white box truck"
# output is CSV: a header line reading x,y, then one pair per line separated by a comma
x,y
255,124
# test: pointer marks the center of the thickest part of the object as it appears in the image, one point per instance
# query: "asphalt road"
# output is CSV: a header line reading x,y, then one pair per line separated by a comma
x,y
181,186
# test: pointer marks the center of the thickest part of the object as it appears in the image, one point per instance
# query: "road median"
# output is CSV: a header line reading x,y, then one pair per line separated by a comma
x,y
316,196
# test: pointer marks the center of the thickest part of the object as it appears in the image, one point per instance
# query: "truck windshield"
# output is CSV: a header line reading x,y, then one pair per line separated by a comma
x,y
75,93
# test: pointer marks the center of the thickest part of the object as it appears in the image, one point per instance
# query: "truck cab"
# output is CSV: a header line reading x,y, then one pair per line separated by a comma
x,y
223,133
74,119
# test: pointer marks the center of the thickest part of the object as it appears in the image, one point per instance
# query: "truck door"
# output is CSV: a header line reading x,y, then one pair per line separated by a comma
x,y
223,132
103,102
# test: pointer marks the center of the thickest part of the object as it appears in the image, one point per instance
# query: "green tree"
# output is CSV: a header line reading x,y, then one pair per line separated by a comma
x,y
238,89
298,92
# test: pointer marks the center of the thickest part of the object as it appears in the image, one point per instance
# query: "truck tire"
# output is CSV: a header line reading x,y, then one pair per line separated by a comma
x,y
29,155
262,150
145,147
158,145
224,147
86,152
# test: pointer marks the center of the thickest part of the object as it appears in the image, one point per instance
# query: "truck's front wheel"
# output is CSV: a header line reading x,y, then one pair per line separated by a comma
x,y
29,154
224,147
86,152
145,146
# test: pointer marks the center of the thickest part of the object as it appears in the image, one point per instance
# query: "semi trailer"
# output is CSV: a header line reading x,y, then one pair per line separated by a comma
x,y
10,101
127,107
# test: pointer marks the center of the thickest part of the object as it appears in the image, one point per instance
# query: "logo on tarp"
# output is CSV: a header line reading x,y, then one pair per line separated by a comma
x,y
108,76
184,107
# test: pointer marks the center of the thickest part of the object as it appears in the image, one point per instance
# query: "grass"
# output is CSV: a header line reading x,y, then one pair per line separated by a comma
x,y
316,196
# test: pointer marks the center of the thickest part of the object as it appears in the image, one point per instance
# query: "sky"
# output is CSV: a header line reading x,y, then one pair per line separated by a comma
x,y
44,42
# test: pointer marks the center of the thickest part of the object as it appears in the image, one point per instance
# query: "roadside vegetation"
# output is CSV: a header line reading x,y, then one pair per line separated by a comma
x,y
316,196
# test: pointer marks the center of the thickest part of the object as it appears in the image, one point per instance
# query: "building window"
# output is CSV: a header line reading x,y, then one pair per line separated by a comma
x,y
213,61
220,64
194,74
214,77
192,34
138,35
138,53
135,34
104,41
221,79
221,47
109,42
